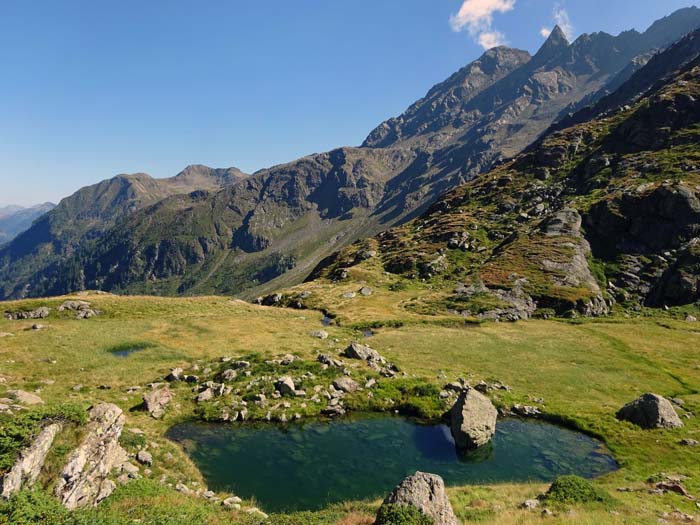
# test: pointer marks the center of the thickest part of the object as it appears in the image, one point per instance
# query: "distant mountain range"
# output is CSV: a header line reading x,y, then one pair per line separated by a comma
x,y
220,231
16,219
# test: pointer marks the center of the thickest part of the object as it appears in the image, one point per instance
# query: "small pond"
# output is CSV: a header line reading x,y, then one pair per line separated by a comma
x,y
127,349
306,466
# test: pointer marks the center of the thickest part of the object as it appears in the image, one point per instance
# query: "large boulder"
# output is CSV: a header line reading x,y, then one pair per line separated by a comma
x,y
156,401
650,411
85,479
473,420
26,470
363,352
425,492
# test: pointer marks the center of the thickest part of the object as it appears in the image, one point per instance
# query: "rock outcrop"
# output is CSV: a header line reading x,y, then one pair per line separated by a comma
x,y
425,492
85,479
473,420
82,309
650,411
40,313
26,470
157,400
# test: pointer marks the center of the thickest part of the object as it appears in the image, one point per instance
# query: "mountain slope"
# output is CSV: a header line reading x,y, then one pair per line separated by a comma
x,y
16,219
605,211
271,229
87,214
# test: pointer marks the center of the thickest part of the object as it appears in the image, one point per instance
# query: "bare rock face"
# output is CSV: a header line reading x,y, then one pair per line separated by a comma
x,y
473,420
156,401
84,480
650,411
425,492
26,470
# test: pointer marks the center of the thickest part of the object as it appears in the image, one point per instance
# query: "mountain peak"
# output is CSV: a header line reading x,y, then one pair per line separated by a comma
x,y
557,38
556,41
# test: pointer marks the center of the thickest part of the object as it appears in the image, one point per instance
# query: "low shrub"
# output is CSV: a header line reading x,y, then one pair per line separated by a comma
x,y
401,515
574,489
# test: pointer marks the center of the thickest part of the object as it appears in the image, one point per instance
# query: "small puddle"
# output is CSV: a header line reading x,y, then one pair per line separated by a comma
x,y
126,349
307,466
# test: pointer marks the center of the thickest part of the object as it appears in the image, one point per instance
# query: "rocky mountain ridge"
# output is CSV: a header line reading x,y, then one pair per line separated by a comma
x,y
269,230
603,212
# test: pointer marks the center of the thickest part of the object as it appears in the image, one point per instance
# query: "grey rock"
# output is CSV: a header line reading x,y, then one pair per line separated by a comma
x,y
366,291
346,384
27,468
319,334
359,351
144,457
84,479
285,386
425,492
473,420
176,374
650,411
25,398
156,401
530,504
40,313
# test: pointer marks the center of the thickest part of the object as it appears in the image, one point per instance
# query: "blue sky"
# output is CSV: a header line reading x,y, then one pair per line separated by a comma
x,y
92,88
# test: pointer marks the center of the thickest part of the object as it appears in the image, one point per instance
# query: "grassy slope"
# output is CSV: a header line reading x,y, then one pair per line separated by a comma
x,y
584,371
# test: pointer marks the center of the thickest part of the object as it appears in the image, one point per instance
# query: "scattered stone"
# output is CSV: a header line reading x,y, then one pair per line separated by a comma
x,y
346,384
27,468
176,374
530,504
37,327
285,386
677,516
156,401
145,458
691,319
650,411
370,383
205,395
690,442
330,361
526,411
234,502
25,398
366,291
84,479
319,334
425,492
349,295
473,420
229,374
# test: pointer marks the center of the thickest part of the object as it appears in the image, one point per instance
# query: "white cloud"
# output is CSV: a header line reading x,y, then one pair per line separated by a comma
x,y
476,16
561,17
491,39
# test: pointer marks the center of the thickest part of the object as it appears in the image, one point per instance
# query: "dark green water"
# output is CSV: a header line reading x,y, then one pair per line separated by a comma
x,y
307,466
